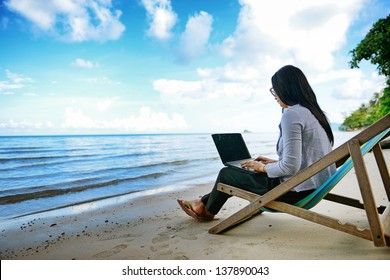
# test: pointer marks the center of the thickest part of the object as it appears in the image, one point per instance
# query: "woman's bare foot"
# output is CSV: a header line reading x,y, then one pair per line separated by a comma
x,y
197,207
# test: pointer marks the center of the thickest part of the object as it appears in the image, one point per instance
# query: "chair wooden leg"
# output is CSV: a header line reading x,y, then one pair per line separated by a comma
x,y
367,195
236,218
380,160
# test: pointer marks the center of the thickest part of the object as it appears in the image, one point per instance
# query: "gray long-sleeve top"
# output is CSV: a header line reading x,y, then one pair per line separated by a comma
x,y
302,141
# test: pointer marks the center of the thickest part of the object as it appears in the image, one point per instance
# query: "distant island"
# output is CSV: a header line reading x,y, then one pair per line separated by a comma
x,y
247,131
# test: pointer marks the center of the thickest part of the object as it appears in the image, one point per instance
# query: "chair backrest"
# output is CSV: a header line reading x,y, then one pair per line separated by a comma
x,y
315,197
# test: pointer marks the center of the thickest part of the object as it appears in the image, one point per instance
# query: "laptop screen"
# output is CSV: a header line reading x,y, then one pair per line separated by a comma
x,y
231,146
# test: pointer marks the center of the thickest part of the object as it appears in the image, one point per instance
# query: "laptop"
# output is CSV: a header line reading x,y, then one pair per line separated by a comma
x,y
233,151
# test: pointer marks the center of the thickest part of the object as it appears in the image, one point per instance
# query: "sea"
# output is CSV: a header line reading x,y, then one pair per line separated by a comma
x,y
42,174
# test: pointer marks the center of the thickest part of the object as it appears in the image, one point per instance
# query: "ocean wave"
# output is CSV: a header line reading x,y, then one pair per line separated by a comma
x,y
35,151
15,198
18,148
37,158
49,161
76,203
180,162
42,188
40,161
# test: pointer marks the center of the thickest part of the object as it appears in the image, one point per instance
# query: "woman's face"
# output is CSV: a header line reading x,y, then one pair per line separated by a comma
x,y
275,95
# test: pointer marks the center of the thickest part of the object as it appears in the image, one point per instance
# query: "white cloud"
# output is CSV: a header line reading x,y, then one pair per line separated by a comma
x,y
73,21
14,81
204,92
5,86
146,120
178,92
101,80
161,18
195,37
79,62
76,119
306,31
11,124
18,78
39,12
30,94
105,104
149,121
5,92
359,88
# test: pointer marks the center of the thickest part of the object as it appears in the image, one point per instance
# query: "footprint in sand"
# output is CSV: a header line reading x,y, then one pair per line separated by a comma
x,y
160,243
160,238
114,236
111,252
187,236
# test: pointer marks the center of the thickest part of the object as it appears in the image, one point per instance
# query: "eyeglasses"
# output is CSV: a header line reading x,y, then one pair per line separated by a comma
x,y
273,92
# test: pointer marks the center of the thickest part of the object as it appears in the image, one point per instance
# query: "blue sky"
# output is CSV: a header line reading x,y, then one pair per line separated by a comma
x,y
160,66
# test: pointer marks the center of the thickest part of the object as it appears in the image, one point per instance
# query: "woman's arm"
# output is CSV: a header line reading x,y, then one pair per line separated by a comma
x,y
265,160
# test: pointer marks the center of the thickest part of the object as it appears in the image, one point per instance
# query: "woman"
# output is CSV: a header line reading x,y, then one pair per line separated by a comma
x,y
305,137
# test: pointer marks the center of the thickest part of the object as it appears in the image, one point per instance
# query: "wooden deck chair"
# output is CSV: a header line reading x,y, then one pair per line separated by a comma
x,y
346,156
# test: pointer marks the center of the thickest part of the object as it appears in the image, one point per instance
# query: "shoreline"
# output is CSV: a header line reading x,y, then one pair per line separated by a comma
x,y
93,203
153,227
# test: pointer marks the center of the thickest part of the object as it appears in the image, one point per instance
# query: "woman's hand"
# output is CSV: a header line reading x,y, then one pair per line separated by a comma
x,y
265,160
255,165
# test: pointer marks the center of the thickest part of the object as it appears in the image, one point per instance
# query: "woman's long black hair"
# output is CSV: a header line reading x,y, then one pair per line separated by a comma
x,y
292,87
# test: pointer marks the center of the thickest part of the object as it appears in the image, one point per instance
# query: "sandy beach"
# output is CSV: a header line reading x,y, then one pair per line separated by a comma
x,y
155,228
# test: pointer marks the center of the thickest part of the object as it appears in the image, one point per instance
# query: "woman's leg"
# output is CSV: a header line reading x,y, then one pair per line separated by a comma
x,y
259,183
210,204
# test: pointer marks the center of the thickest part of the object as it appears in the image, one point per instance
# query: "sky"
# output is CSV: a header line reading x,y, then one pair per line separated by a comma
x,y
175,66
